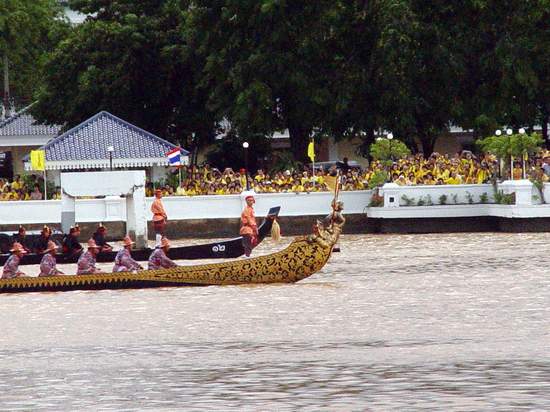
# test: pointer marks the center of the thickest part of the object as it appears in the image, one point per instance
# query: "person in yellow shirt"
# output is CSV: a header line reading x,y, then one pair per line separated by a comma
x,y
17,183
260,176
180,191
453,179
297,186
429,179
518,171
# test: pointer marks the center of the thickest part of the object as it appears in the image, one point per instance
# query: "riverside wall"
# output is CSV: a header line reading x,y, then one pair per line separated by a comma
x,y
466,208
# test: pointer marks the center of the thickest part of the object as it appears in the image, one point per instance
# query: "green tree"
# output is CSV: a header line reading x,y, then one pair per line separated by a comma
x,y
267,64
129,58
388,150
28,29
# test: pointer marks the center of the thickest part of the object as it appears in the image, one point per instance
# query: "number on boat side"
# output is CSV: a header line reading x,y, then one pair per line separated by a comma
x,y
218,248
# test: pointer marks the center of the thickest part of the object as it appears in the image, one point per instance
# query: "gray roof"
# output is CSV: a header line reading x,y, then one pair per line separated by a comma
x,y
90,139
23,124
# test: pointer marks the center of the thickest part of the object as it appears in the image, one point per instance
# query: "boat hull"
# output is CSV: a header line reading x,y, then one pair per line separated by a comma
x,y
302,258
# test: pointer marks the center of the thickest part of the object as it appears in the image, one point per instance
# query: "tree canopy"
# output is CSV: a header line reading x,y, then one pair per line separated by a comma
x,y
326,67
28,30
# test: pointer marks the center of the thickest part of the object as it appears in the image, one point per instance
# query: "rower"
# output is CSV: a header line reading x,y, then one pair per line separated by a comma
x,y
159,217
11,267
48,262
86,261
249,228
41,244
99,238
71,244
158,259
21,238
123,260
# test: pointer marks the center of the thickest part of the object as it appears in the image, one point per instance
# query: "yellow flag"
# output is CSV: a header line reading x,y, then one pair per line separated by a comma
x,y
311,151
330,181
38,159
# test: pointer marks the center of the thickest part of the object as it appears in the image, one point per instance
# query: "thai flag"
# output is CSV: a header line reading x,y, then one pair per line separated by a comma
x,y
174,157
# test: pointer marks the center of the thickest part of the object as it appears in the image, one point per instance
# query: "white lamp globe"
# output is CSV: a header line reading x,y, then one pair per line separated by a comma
x,y
245,145
509,132
522,131
390,136
498,132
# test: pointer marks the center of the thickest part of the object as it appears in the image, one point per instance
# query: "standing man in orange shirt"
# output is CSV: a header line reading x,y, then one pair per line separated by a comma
x,y
249,229
159,216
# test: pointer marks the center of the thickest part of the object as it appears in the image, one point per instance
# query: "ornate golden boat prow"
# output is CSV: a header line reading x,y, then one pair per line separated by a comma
x,y
302,258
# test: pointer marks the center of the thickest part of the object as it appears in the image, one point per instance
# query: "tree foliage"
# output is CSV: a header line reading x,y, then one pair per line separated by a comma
x,y
326,67
129,58
516,145
28,30
388,150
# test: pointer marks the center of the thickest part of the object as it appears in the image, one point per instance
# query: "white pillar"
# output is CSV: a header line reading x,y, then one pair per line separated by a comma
x,y
136,216
391,193
522,188
67,212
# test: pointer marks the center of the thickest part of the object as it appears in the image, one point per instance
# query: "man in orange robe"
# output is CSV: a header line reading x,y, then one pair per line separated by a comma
x,y
249,229
159,216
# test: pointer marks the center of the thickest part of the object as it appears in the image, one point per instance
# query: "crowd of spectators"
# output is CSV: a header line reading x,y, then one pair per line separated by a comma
x,y
437,169
205,180
30,188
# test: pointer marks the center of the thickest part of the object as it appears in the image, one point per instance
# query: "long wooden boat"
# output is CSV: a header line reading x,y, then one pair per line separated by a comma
x,y
226,249
302,258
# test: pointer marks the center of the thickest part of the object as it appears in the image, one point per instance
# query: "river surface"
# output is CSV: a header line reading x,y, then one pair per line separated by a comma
x,y
393,322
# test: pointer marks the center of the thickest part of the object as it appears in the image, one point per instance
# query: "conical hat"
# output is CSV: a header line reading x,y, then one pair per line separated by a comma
x,y
51,246
17,247
92,244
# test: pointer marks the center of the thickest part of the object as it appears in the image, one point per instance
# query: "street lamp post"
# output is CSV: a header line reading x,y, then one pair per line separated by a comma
x,y
522,132
509,133
390,138
498,133
245,147
111,149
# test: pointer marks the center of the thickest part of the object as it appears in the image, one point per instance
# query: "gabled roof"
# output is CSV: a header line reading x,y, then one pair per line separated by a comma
x,y
85,146
23,124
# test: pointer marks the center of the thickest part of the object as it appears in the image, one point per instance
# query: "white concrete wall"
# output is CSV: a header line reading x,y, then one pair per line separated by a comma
x,y
112,209
436,191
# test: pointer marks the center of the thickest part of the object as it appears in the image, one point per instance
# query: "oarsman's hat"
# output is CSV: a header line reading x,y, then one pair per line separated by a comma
x,y
128,241
164,242
92,244
101,227
51,246
250,197
17,247
158,191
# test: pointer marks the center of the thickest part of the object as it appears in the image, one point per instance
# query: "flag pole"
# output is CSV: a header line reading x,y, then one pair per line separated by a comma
x,y
45,185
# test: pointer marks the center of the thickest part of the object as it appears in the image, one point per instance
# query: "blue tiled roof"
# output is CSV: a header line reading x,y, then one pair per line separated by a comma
x,y
90,139
23,124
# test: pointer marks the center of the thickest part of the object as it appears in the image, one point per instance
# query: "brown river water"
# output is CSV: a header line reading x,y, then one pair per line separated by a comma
x,y
393,322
